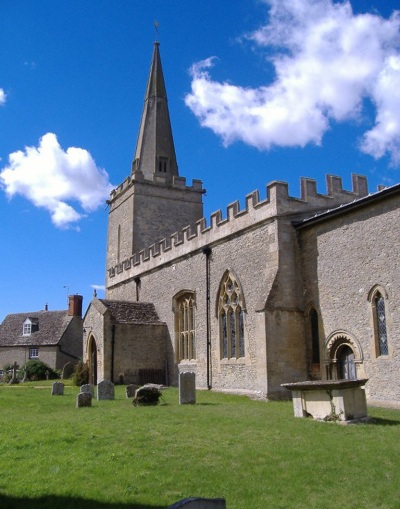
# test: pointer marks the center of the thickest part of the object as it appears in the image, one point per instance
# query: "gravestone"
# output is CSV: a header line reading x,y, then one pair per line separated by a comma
x,y
14,379
130,390
88,388
57,389
147,395
105,390
83,399
187,388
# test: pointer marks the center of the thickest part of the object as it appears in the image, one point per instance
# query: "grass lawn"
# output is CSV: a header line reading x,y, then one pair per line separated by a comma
x,y
254,454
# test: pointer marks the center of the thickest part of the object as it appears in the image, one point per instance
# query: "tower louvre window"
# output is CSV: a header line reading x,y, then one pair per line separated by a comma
x,y
162,164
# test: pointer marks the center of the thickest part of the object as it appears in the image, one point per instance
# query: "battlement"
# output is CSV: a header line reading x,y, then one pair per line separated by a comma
x,y
162,180
277,203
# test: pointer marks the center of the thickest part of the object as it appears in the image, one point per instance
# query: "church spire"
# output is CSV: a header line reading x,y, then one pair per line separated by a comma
x,y
155,151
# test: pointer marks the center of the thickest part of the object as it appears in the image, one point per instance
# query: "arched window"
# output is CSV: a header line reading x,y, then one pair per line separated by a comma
x,y
185,326
231,318
380,324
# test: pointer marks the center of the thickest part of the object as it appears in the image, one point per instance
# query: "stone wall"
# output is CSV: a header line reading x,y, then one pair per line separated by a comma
x,y
143,212
344,258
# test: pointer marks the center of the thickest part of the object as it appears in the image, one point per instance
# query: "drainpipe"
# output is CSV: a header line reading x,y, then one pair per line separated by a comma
x,y
112,351
137,282
207,252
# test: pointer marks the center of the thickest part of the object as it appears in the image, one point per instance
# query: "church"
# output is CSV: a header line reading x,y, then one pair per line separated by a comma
x,y
281,290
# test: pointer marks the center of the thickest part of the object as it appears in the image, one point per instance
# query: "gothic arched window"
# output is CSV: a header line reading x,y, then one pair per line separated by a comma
x,y
231,318
380,324
185,326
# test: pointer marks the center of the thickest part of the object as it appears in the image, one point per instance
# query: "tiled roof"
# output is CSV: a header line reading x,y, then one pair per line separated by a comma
x,y
51,327
132,312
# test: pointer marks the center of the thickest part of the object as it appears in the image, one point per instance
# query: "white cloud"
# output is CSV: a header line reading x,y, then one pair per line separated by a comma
x,y
327,61
2,96
50,177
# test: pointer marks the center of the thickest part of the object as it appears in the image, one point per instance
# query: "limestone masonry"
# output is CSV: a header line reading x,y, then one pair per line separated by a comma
x,y
284,290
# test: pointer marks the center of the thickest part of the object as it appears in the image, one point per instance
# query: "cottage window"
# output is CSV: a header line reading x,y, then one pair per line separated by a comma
x,y
33,353
231,318
185,327
27,328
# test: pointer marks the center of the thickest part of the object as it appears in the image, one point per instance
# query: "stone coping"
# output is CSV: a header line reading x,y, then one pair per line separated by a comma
x,y
317,385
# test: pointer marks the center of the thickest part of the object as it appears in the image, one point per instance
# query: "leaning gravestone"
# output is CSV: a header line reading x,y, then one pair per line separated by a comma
x,y
57,389
105,390
88,388
83,399
187,388
130,390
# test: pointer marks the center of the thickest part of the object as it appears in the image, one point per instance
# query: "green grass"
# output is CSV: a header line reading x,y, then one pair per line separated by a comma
x,y
254,454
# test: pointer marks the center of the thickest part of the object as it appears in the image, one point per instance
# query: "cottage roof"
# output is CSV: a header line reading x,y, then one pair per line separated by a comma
x,y
51,326
132,312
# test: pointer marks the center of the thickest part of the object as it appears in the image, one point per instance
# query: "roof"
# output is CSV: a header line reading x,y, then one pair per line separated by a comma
x,y
132,312
51,327
348,207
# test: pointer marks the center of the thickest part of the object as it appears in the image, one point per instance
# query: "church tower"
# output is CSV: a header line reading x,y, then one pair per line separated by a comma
x,y
154,201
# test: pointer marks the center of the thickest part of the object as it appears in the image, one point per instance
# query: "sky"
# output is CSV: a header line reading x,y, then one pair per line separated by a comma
x,y
258,90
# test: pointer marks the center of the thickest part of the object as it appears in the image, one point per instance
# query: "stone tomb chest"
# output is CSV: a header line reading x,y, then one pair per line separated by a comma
x,y
329,400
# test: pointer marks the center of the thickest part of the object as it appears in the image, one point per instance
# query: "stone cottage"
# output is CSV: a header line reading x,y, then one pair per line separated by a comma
x,y
284,290
54,337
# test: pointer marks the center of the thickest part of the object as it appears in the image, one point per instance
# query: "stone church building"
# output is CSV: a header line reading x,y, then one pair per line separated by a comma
x,y
283,290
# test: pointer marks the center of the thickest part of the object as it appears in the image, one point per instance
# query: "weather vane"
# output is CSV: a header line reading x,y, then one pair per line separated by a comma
x,y
156,25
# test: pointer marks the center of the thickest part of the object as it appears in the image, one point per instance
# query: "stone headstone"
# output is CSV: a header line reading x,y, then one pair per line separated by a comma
x,y
146,395
57,389
105,390
88,388
130,390
83,399
187,388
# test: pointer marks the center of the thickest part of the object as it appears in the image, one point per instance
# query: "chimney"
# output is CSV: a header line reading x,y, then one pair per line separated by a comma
x,y
46,307
75,305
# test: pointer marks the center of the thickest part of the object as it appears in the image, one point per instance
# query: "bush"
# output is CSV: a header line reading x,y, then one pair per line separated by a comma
x,y
81,374
38,370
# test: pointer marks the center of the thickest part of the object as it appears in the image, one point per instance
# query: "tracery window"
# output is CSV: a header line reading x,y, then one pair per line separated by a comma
x,y
380,324
185,327
231,318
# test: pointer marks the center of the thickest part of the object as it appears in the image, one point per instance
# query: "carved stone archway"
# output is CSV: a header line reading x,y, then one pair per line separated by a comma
x,y
92,360
343,356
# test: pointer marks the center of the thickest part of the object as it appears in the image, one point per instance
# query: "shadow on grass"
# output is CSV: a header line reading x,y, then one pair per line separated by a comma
x,y
384,422
58,502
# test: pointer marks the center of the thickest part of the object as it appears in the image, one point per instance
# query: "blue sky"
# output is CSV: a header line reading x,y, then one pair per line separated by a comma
x,y
258,91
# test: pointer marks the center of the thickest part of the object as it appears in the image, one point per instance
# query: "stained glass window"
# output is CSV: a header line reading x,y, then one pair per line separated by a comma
x,y
231,317
380,320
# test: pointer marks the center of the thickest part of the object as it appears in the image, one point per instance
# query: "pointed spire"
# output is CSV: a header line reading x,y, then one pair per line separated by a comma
x,y
155,151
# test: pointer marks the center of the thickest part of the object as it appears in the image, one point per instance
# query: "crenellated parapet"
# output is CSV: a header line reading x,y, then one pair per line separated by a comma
x,y
174,182
276,204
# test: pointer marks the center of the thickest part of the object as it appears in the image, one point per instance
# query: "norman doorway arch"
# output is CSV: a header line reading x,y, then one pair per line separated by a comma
x,y
92,357
343,357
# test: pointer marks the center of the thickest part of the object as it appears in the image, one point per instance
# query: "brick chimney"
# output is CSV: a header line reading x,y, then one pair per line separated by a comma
x,y
75,305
